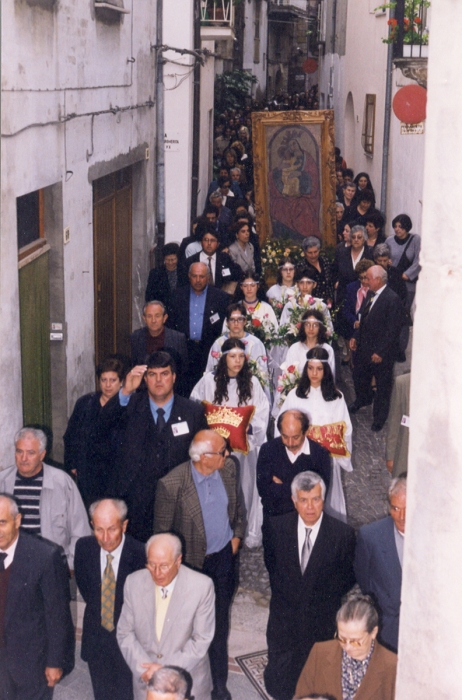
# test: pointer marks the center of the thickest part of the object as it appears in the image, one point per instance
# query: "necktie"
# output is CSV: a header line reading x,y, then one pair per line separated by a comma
x,y
306,550
162,603
108,586
160,419
367,308
164,593
210,269
2,561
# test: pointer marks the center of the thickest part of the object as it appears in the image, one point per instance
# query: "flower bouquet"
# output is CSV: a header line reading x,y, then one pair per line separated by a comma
x,y
274,250
287,381
261,328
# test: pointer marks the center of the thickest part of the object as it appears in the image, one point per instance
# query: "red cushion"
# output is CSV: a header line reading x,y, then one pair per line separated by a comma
x,y
230,422
330,436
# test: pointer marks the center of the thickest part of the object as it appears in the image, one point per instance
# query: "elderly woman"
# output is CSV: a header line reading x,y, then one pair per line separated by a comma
x,y
346,259
354,666
319,268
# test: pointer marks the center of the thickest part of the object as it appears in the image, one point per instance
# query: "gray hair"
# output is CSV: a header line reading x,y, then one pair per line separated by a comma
x,y
311,242
169,680
361,229
215,195
35,433
382,249
199,447
358,607
339,205
398,485
199,263
119,505
305,481
14,508
378,271
154,302
173,540
235,170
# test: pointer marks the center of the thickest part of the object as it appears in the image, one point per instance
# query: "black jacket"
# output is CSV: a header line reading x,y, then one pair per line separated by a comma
x,y
158,287
379,331
174,343
226,270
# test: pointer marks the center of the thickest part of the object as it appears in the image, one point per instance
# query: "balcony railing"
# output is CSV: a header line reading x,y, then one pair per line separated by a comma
x,y
217,12
409,29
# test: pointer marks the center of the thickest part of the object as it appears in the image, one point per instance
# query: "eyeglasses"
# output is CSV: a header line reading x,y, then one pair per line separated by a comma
x,y
287,268
221,454
163,568
209,240
351,642
236,319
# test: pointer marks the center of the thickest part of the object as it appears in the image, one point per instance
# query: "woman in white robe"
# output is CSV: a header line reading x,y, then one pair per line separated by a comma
x,y
317,396
304,299
285,288
232,384
312,332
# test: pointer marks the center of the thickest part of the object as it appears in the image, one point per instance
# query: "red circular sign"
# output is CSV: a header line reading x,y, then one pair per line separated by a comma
x,y
310,65
410,104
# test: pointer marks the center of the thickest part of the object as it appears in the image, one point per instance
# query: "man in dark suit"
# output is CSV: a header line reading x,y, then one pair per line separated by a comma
x,y
281,459
201,501
163,280
379,561
156,336
222,268
36,632
312,568
376,343
110,555
159,426
198,311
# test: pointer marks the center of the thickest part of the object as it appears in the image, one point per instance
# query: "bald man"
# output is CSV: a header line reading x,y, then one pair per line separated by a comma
x,y
376,343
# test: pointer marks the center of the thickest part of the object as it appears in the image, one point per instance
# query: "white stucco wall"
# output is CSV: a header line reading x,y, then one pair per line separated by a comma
x,y
206,125
257,69
57,63
178,99
431,615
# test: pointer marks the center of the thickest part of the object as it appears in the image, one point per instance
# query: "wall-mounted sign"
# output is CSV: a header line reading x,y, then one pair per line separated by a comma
x,y
172,141
412,128
410,104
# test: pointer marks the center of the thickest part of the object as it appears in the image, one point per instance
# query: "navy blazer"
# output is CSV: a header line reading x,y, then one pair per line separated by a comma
x,y
226,270
378,572
88,578
216,302
379,332
273,461
38,630
343,271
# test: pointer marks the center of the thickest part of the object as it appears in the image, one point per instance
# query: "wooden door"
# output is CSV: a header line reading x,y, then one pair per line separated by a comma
x,y
112,236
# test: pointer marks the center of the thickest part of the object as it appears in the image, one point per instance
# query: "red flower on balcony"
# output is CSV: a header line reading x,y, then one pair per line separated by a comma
x,y
392,22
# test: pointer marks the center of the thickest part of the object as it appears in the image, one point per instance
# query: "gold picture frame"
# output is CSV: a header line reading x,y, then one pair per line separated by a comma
x,y
294,175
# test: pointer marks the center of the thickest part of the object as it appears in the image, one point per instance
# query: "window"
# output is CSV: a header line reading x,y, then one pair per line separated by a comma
x,y
29,213
367,138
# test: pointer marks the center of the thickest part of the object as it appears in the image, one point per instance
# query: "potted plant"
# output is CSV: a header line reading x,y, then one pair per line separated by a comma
x,y
415,36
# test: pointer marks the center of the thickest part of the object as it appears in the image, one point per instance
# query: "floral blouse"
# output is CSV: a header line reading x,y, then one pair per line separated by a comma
x,y
353,672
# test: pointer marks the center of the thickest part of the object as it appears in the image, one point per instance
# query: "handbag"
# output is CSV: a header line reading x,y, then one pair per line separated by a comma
x,y
404,263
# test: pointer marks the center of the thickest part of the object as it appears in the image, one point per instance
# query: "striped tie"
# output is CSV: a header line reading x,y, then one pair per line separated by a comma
x,y
108,586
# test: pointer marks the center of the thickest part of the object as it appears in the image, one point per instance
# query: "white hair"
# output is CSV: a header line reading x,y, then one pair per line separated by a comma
x,y
170,538
14,508
398,485
119,505
378,271
169,681
35,433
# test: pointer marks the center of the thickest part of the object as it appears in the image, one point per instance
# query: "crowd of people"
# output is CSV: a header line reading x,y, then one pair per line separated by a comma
x,y
219,431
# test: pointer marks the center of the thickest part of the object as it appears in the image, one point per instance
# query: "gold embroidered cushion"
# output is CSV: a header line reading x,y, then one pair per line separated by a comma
x,y
231,422
330,436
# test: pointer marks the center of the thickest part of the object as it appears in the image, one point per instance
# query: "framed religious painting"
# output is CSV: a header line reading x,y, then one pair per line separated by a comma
x,y
294,175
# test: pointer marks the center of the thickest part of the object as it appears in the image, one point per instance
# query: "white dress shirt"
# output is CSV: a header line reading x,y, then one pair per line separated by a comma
x,y
9,553
204,258
377,294
115,562
301,532
304,450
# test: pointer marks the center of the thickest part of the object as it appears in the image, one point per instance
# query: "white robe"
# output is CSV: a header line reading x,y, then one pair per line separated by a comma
x,y
296,354
264,312
321,412
254,349
205,391
318,304
281,293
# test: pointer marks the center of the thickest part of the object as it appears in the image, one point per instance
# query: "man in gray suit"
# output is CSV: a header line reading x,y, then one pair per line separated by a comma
x,y
379,561
168,618
155,336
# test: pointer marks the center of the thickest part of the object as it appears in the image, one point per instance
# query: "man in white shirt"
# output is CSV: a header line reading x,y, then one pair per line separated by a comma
x,y
168,618
311,570
379,561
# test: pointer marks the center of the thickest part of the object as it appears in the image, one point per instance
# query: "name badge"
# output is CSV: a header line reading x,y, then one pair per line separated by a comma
x,y
214,318
226,272
180,428
405,420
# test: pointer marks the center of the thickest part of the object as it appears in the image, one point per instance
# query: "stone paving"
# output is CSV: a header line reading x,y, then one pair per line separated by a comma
x,y
365,493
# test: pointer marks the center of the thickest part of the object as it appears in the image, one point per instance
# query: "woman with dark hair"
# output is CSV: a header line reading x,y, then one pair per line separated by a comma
x,y
251,292
284,288
354,666
365,204
232,384
405,251
242,251
363,182
91,437
318,397
312,333
304,298
374,229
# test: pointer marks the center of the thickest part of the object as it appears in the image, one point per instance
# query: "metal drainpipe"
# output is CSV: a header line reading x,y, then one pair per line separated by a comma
x,y
160,153
196,111
386,124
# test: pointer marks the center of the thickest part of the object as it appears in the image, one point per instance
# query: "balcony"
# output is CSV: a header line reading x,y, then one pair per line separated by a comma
x,y
217,20
288,9
409,34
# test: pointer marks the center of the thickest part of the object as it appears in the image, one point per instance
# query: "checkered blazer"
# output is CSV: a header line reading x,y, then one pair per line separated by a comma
x,y
177,509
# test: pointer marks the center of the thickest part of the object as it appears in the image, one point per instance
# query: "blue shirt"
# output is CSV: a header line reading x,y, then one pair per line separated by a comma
x,y
196,313
124,399
214,506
